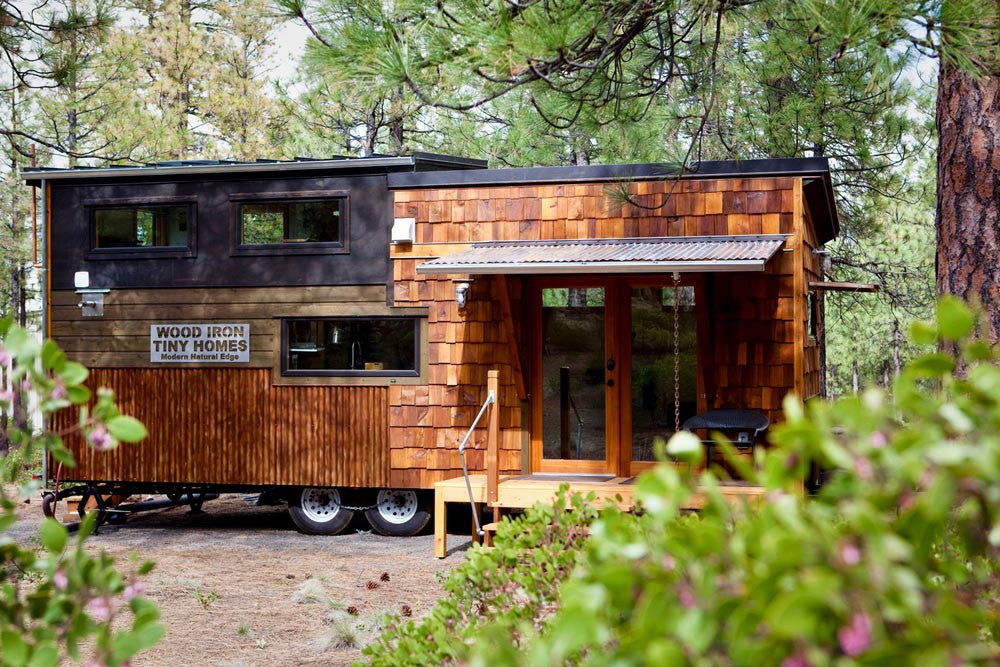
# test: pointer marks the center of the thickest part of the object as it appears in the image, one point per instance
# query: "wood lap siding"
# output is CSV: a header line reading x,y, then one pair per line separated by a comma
x,y
752,316
225,423
121,337
231,426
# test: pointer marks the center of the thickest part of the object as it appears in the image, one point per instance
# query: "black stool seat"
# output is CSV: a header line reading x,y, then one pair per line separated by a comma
x,y
745,422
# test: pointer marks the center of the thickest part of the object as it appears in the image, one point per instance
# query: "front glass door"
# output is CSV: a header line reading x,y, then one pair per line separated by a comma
x,y
605,372
656,382
573,386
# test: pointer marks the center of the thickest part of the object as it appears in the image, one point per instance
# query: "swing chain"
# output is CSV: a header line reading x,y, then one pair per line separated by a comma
x,y
677,354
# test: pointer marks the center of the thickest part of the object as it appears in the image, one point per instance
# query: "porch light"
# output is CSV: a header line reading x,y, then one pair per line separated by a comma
x,y
462,292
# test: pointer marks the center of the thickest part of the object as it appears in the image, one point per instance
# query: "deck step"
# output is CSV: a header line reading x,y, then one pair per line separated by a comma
x,y
489,530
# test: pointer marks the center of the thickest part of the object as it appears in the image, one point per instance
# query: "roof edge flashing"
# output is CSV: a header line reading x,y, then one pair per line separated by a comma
x,y
429,161
567,268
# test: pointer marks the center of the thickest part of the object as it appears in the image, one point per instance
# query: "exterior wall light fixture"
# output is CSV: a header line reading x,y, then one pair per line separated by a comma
x,y
91,298
462,292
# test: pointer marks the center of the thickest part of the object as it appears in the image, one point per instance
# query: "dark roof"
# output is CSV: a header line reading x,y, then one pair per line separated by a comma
x,y
632,255
815,172
177,168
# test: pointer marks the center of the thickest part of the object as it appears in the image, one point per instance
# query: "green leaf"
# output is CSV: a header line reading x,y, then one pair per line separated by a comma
x,y
78,394
798,614
63,456
53,535
923,333
126,429
955,319
73,373
46,656
18,342
87,526
52,357
127,644
932,365
15,649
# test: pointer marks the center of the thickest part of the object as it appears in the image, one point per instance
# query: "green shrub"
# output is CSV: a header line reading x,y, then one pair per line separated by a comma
x,y
894,562
54,599
515,584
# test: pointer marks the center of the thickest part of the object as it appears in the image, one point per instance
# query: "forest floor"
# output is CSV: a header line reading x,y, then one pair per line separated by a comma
x,y
238,586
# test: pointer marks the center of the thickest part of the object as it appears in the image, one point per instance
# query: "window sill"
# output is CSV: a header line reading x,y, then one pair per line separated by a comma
x,y
163,252
279,249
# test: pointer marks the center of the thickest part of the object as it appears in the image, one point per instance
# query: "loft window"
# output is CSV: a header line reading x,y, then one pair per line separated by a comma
x,y
350,346
291,226
141,228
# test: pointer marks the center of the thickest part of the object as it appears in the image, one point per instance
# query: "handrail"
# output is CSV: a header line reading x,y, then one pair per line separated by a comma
x,y
490,400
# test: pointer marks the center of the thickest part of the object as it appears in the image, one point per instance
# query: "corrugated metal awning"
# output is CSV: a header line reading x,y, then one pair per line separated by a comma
x,y
684,254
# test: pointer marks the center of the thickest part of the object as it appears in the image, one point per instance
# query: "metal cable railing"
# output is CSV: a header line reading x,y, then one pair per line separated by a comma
x,y
490,400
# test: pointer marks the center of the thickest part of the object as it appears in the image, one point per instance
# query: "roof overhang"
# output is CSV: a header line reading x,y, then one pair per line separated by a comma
x,y
177,168
665,254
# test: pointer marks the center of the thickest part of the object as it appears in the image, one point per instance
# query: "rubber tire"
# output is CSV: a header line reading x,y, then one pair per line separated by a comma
x,y
307,511
413,520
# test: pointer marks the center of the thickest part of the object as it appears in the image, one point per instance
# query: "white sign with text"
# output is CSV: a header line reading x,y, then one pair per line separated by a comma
x,y
199,343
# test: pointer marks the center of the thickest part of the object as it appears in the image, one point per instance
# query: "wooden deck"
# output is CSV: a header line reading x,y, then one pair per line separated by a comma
x,y
521,491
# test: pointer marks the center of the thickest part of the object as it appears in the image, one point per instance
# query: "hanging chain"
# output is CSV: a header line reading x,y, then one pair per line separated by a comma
x,y
677,353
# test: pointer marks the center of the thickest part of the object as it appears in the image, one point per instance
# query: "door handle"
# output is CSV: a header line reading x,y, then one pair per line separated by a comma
x,y
611,382
611,364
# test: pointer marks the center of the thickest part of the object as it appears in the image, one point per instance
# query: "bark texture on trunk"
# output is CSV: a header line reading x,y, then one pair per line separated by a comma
x,y
968,188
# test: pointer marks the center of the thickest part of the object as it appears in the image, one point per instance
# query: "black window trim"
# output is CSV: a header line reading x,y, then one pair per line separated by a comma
x,y
238,249
389,373
90,207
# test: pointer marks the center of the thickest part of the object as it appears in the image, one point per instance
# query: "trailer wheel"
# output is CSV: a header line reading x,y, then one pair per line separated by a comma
x,y
398,512
318,511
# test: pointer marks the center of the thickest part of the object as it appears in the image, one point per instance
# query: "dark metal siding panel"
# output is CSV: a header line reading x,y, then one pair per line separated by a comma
x,y
224,426
214,266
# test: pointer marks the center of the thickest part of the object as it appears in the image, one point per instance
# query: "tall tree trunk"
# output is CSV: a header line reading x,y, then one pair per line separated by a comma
x,y
968,189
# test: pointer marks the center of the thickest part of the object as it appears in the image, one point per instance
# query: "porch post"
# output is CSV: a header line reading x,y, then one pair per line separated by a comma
x,y
493,438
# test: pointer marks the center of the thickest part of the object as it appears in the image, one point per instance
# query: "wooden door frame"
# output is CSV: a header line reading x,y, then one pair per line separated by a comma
x,y
617,330
612,410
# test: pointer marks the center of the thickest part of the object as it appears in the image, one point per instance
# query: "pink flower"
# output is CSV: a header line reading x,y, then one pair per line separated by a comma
x,y
879,439
7,396
669,563
100,438
850,554
856,636
98,609
686,596
797,659
133,589
58,391
5,357
863,469
59,580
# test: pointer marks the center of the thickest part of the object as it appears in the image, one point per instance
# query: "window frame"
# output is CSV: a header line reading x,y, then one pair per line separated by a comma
x,y
284,372
240,249
190,249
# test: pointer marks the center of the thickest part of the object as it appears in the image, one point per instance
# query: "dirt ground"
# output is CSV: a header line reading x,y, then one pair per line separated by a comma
x,y
238,586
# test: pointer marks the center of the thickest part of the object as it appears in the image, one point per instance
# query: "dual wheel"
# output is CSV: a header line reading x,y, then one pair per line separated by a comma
x,y
325,511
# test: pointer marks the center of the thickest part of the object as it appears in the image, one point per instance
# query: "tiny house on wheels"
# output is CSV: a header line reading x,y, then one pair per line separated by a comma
x,y
333,330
